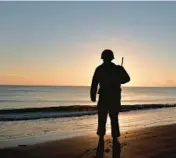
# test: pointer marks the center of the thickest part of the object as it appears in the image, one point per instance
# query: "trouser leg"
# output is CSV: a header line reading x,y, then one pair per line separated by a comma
x,y
115,131
100,148
102,118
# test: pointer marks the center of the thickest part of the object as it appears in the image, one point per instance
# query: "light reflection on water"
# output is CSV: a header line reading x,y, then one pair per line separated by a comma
x,y
48,96
35,131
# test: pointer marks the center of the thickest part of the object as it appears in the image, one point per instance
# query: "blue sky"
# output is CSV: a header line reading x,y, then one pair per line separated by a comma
x,y
60,42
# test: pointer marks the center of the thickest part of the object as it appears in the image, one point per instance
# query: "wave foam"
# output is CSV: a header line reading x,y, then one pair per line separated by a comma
x,y
66,111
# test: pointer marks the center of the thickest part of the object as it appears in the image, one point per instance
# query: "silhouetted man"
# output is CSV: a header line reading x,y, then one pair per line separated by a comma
x,y
109,77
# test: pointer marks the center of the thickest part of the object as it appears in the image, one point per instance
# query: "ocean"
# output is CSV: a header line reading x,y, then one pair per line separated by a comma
x,y
15,97
34,114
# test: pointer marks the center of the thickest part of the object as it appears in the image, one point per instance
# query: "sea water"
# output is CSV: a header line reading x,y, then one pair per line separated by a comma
x,y
14,97
16,130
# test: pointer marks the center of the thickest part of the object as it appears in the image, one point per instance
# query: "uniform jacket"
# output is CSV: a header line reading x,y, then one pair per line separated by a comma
x,y
108,77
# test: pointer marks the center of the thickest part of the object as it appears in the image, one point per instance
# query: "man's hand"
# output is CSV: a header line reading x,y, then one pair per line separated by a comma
x,y
93,99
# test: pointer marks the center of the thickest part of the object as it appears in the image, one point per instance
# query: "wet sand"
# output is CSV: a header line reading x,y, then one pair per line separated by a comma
x,y
153,142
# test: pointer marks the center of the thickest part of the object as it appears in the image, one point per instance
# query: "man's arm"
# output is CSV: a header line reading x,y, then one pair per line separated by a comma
x,y
125,76
94,86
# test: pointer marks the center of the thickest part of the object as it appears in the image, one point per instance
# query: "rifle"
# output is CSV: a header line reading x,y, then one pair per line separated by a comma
x,y
122,62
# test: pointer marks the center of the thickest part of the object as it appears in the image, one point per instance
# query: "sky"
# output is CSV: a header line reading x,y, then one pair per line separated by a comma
x,y
60,43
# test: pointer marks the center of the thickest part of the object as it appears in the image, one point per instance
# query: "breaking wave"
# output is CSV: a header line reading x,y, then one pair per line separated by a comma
x,y
66,111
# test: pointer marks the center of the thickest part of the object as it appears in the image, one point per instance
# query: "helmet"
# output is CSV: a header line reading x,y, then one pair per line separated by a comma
x,y
107,54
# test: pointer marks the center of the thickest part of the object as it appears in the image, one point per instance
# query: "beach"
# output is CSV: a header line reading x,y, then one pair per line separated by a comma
x,y
28,132
45,122
156,142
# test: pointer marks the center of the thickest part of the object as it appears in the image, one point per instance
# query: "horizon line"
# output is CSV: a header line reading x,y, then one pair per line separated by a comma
x,y
45,85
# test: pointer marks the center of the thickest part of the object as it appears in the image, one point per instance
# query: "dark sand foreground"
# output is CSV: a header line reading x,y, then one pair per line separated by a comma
x,y
154,142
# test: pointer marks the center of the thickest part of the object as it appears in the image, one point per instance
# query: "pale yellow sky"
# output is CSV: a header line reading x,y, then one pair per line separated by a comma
x,y
144,70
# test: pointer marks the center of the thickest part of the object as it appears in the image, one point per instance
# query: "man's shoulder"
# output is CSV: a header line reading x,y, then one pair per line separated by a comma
x,y
117,66
99,67
113,65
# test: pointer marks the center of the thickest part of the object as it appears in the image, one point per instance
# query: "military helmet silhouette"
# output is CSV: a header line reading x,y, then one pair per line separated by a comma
x,y
107,54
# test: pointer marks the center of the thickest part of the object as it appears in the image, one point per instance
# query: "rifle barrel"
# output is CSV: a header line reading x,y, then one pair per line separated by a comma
x,y
122,62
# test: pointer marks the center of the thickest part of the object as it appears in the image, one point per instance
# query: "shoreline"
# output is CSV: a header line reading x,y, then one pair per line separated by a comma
x,y
14,133
68,111
157,142
74,108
